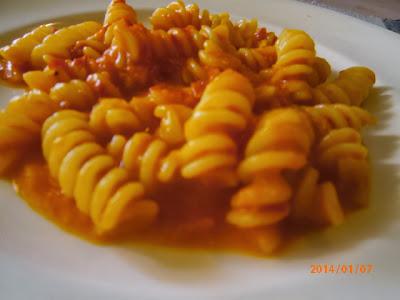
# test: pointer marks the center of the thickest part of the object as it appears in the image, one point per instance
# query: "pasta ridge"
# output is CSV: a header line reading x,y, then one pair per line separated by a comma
x,y
351,87
223,111
326,117
84,170
20,124
282,141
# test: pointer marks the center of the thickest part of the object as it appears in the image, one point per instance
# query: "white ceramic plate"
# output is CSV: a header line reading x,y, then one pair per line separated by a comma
x,y
39,261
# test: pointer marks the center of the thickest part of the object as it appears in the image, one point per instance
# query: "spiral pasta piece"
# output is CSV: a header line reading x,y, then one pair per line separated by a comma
x,y
119,10
258,58
22,118
342,156
92,47
219,52
177,15
149,160
352,87
116,116
42,80
295,57
296,71
291,90
75,94
176,42
314,202
20,124
59,43
340,144
326,117
99,83
193,70
173,118
86,172
102,85
60,70
19,52
281,142
130,44
244,33
223,111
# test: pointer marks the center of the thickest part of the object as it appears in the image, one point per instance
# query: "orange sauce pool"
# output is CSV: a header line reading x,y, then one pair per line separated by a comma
x,y
191,216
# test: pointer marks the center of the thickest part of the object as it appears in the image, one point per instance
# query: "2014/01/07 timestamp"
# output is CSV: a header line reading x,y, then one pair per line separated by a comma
x,y
341,268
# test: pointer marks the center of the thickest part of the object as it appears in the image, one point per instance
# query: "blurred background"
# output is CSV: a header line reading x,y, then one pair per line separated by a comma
x,y
385,13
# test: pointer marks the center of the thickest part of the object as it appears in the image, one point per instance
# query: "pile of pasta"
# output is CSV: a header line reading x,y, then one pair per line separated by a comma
x,y
119,110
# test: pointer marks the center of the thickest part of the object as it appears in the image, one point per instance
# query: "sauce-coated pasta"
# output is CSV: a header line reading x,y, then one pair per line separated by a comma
x,y
197,131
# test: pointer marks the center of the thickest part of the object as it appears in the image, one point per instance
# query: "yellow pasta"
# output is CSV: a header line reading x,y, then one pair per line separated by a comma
x,y
86,172
75,94
239,136
326,117
20,124
296,56
314,202
328,209
176,42
194,70
59,43
296,71
223,111
59,70
218,50
102,85
129,43
115,147
243,34
258,58
115,116
177,15
351,87
173,118
149,160
91,47
281,142
340,144
117,10
19,52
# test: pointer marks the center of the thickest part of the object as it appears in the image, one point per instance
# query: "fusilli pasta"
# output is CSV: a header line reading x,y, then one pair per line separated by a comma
x,y
326,117
20,124
316,203
173,118
117,10
281,142
240,137
351,87
340,144
177,15
149,160
223,111
86,172
19,52
59,43
116,116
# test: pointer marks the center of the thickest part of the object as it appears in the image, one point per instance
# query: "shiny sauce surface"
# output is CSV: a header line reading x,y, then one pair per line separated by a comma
x,y
191,215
